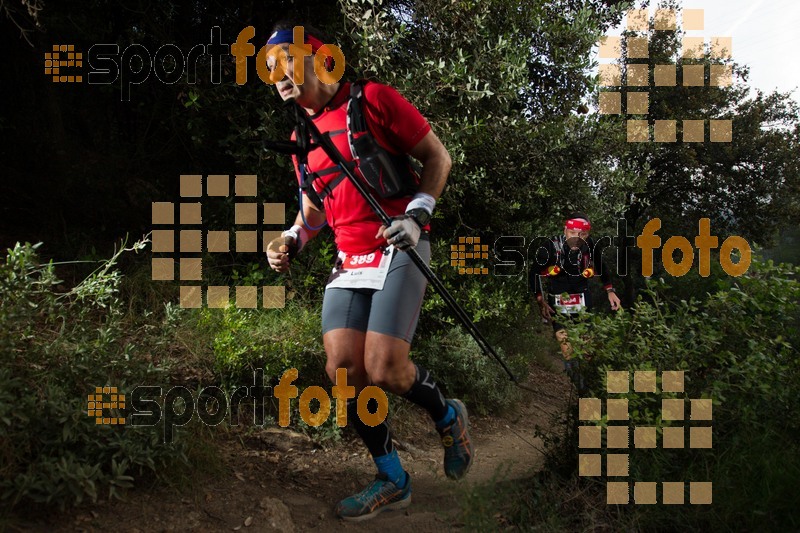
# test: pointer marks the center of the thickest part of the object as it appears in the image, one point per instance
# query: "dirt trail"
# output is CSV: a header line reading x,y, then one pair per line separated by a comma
x,y
279,481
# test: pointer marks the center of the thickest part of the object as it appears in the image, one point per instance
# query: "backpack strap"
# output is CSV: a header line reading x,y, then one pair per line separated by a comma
x,y
588,261
558,244
308,177
356,122
557,267
390,175
317,198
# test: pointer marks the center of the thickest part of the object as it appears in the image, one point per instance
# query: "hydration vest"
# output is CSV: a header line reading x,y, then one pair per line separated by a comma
x,y
389,175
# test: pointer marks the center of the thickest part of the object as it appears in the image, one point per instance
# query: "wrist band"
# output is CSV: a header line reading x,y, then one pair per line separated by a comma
x,y
422,200
299,234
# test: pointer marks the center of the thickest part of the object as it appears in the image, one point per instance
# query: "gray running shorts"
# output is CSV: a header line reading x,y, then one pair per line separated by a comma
x,y
393,310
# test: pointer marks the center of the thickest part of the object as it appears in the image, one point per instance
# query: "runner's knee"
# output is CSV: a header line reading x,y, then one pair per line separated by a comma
x,y
394,380
345,349
390,370
356,375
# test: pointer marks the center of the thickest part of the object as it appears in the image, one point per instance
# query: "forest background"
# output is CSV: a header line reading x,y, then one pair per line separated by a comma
x,y
510,89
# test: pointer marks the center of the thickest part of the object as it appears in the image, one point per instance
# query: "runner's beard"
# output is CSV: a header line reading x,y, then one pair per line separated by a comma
x,y
577,244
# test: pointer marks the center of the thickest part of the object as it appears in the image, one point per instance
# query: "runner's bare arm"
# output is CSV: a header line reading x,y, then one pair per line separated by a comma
x,y
278,250
436,164
314,217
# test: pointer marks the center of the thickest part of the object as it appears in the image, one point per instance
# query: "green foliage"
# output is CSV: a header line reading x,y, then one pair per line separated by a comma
x,y
485,297
463,370
327,433
787,247
273,340
746,187
501,101
737,347
55,348
541,502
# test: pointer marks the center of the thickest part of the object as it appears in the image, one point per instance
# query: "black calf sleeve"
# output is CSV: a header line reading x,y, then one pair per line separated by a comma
x,y
377,438
425,393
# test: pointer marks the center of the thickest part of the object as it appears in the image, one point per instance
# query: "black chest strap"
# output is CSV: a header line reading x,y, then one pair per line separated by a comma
x,y
389,175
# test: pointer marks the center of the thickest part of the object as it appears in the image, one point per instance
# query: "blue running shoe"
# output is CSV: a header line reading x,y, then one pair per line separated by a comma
x,y
458,448
380,495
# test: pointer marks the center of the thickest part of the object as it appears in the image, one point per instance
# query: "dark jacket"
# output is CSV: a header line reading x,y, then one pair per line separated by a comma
x,y
572,263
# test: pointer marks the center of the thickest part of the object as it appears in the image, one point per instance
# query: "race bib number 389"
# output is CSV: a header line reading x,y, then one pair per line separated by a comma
x,y
366,271
364,261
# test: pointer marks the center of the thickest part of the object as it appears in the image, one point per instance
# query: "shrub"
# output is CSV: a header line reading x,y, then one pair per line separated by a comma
x,y
463,370
738,347
55,348
272,339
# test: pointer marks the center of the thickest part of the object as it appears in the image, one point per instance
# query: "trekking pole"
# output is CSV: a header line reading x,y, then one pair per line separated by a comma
x,y
324,141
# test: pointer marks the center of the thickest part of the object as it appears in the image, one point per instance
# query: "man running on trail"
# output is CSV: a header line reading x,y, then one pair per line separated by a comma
x,y
569,261
369,319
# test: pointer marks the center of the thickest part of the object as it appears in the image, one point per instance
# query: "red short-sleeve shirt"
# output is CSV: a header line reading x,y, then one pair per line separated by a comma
x,y
397,126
